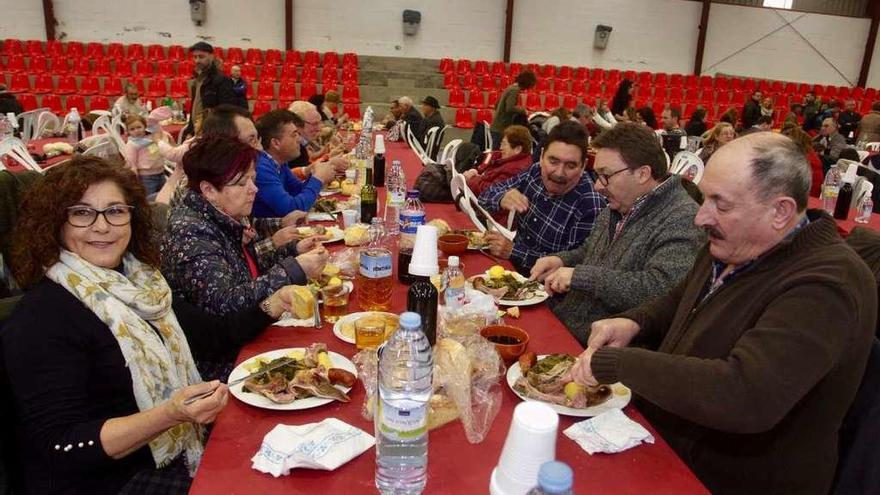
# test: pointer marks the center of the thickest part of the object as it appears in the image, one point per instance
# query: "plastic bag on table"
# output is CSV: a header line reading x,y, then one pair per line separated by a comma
x,y
469,318
367,364
347,261
467,372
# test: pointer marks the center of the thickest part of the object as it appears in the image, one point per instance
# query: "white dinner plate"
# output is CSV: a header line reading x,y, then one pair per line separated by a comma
x,y
337,327
258,400
539,297
621,395
334,234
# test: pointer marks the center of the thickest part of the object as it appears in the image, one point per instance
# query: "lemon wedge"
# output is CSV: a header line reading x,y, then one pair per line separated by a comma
x,y
333,282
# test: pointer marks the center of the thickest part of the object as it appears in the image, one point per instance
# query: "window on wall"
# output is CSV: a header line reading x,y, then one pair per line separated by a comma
x,y
778,4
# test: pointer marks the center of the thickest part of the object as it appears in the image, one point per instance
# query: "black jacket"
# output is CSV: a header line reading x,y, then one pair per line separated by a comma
x,y
216,89
433,120
240,89
8,103
751,114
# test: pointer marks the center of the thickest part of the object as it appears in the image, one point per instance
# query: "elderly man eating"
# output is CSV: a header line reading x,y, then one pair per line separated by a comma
x,y
752,360
643,243
554,199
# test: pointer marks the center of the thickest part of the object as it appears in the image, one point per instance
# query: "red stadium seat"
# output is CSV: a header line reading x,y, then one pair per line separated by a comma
x,y
261,107
329,84
89,86
156,52
551,102
569,101
248,72
488,83
75,101
581,74
34,47
307,89
721,83
456,97
38,65
464,118
492,99
565,72
52,102
351,94
155,88
144,68
254,56
469,81
115,50
691,81
273,57
122,68
54,48
43,84
28,101
266,91
311,57
498,69
12,46
463,66
292,57
186,68
484,115
481,67
103,67
81,67
349,74
269,73
135,51
533,102
514,69
353,110
94,50
176,52
475,99
543,86
112,87
330,59
234,56
66,85
349,59
287,91
15,63
560,86
60,65
676,80
179,88
706,83
450,80
309,74
288,73
446,65
219,54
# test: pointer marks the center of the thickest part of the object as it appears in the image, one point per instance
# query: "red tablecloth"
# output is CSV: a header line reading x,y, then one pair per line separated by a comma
x,y
454,465
846,226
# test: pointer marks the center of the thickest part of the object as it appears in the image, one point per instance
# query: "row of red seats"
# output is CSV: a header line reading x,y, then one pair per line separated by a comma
x,y
55,103
260,107
165,68
549,71
178,87
137,51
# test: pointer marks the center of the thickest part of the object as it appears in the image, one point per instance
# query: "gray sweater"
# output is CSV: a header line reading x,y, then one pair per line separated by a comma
x,y
654,252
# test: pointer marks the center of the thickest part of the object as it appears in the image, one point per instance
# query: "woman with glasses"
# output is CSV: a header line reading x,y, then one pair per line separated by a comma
x,y
212,256
98,365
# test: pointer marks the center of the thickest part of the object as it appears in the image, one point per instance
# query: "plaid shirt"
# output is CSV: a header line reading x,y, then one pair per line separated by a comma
x,y
552,223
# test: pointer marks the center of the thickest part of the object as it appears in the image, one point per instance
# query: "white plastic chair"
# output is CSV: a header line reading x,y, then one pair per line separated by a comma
x,y
873,146
863,154
488,142
104,125
430,137
104,149
416,146
688,165
16,149
28,121
467,202
47,122
449,151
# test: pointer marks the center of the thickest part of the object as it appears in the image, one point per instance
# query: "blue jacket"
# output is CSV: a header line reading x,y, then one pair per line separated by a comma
x,y
279,191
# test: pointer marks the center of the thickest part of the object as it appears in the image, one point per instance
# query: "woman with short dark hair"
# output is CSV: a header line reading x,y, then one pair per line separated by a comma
x,y
514,157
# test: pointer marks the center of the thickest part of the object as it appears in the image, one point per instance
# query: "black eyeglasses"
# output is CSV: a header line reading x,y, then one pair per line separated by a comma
x,y
83,216
604,178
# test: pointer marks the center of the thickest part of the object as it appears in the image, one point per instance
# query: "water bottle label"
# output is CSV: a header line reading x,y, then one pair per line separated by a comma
x,y
831,191
395,198
375,265
402,424
409,223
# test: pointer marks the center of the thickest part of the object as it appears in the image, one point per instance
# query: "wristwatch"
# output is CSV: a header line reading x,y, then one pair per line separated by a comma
x,y
266,307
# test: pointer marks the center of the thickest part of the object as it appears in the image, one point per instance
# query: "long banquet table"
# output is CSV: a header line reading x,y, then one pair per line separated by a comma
x,y
454,465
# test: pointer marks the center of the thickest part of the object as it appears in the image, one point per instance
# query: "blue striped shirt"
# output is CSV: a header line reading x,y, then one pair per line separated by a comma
x,y
552,223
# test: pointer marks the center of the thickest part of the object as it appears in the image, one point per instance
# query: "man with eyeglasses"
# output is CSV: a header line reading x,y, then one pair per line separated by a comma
x,y
641,245
311,154
279,191
829,143
554,200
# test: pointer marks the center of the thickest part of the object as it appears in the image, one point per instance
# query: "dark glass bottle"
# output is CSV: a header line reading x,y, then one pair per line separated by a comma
x,y
379,170
368,199
844,198
404,256
422,299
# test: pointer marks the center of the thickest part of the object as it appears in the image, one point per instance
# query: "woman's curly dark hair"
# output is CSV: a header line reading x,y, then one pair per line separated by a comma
x,y
36,241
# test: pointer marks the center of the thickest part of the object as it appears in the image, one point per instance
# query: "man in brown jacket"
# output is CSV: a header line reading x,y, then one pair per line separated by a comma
x,y
760,350
869,126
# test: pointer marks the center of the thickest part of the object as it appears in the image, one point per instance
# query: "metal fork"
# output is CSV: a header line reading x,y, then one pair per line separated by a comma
x,y
317,308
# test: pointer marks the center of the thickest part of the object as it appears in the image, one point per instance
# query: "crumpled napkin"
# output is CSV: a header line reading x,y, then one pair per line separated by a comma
x,y
287,320
609,432
325,445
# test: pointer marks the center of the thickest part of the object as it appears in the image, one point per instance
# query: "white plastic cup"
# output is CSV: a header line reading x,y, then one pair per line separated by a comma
x,y
351,175
530,443
379,147
424,258
350,217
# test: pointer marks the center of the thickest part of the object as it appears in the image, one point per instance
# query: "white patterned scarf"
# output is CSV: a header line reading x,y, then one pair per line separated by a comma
x,y
135,305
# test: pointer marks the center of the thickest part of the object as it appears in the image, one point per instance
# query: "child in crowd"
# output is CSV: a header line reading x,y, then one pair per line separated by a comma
x,y
145,153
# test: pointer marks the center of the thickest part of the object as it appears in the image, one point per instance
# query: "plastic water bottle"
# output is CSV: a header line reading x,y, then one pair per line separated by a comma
x,y
74,134
395,197
376,233
401,419
453,281
411,216
554,478
7,127
865,207
830,189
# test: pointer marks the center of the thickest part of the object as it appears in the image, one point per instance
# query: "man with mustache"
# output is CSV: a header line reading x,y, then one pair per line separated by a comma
x,y
642,244
748,366
554,199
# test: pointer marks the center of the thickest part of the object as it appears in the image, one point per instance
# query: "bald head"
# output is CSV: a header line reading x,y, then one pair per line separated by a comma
x,y
310,116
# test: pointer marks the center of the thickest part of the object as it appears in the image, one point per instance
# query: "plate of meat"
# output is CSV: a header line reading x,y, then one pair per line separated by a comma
x,y
312,377
548,379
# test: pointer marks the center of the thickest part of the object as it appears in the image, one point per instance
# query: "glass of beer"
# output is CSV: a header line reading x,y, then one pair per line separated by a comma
x,y
369,332
335,301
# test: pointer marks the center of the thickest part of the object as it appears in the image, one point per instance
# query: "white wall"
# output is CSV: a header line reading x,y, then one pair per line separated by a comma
x,y
735,46
22,19
258,23
471,29
874,70
654,35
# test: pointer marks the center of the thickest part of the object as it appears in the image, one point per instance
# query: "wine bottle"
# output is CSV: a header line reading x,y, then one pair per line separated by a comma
x,y
368,198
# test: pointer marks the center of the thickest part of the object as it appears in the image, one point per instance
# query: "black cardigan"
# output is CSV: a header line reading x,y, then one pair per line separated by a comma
x,y
67,377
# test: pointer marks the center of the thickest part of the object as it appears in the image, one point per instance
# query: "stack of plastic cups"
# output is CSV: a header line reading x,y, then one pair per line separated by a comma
x,y
530,443
424,257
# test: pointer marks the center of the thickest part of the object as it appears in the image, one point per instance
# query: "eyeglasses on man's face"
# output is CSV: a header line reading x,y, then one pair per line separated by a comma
x,y
84,216
605,178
